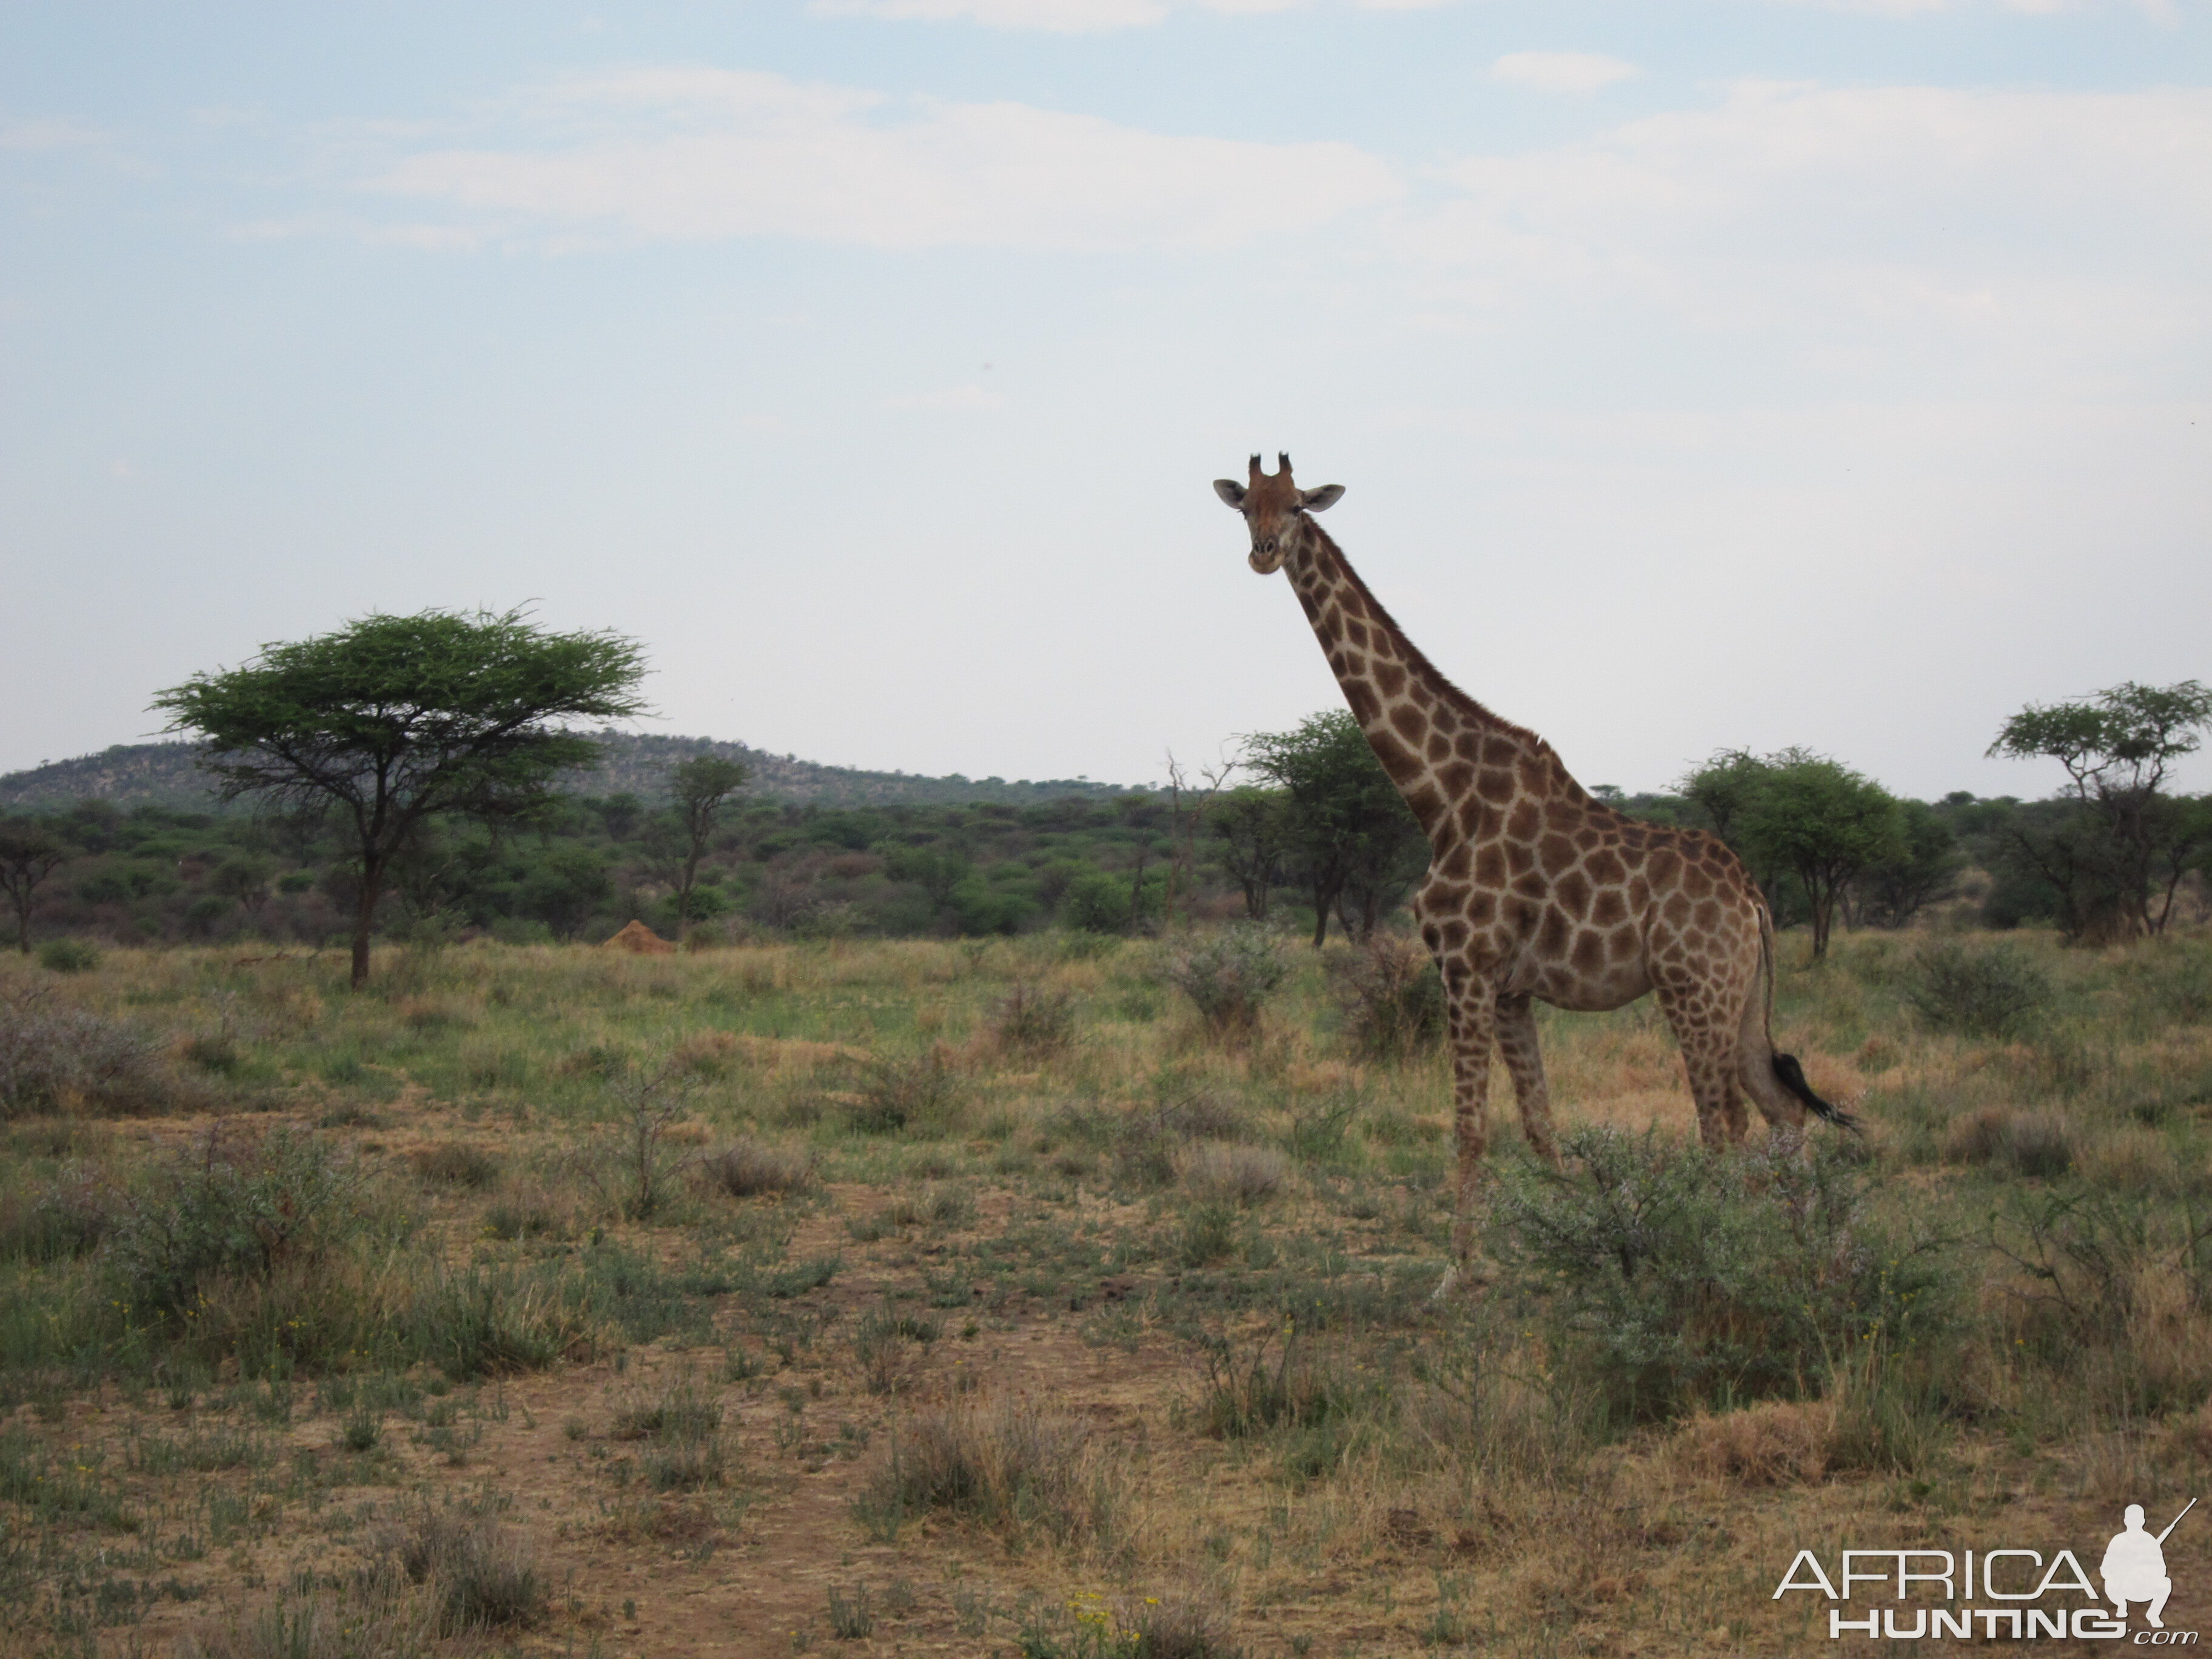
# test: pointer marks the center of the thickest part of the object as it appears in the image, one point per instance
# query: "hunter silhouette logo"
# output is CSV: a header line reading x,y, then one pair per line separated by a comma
x,y
2022,1594
2135,1566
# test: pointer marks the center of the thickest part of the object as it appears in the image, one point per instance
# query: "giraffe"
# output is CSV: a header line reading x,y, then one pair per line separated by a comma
x,y
1536,890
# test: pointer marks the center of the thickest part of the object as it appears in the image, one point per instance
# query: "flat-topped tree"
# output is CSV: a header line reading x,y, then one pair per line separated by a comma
x,y
394,721
1536,890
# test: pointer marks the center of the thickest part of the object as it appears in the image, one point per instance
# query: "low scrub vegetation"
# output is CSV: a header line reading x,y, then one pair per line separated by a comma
x,y
993,1294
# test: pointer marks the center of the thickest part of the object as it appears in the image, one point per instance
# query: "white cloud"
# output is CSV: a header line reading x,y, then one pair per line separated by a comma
x,y
1074,16
693,155
1067,16
1562,71
1991,214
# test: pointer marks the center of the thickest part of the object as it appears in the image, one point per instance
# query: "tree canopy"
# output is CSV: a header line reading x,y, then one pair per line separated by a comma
x,y
30,851
1805,814
2117,856
392,721
1350,831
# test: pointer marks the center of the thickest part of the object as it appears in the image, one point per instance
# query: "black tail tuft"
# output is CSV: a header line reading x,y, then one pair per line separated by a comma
x,y
1792,1078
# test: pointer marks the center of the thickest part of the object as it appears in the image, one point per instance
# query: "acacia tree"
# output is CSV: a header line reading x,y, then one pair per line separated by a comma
x,y
1349,826
2115,851
29,852
1824,823
1802,813
700,786
392,721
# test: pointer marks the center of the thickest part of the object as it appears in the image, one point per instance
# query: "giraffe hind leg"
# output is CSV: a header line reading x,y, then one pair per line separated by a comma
x,y
1524,1064
1709,1055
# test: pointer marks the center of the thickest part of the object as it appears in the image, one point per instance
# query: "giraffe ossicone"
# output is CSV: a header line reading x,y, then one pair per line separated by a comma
x,y
1536,892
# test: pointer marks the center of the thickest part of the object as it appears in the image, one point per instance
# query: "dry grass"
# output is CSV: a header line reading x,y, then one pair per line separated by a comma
x,y
749,1169
955,1336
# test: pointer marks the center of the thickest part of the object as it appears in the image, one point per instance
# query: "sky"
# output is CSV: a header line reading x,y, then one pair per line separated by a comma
x,y
1701,375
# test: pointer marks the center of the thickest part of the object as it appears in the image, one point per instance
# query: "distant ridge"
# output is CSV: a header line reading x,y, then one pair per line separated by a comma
x,y
164,774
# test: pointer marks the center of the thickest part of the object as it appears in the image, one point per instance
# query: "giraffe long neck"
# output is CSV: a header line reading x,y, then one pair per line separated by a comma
x,y
1434,741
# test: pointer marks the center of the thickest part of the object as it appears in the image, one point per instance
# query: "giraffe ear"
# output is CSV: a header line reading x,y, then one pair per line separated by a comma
x,y
1320,501
1230,491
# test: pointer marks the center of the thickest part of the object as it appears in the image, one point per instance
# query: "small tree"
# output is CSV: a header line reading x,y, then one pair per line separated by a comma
x,y
1824,823
1922,868
700,786
245,878
394,720
1251,834
29,852
2113,855
1348,820
1800,813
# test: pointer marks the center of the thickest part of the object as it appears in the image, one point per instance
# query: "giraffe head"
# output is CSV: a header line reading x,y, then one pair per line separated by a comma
x,y
1275,510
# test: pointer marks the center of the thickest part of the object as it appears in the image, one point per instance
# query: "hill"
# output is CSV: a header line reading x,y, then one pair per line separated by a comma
x,y
164,774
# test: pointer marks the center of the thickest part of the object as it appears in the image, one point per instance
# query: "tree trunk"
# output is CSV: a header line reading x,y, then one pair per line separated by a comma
x,y
371,887
1324,899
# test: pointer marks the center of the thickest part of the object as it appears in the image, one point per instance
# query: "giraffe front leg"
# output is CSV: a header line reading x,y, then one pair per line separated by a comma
x,y
1472,1030
1524,1064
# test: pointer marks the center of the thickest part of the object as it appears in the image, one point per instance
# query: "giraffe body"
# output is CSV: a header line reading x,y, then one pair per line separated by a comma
x,y
1536,890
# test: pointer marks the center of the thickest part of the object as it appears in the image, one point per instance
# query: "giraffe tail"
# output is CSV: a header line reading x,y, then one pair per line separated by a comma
x,y
1792,1076
1787,1072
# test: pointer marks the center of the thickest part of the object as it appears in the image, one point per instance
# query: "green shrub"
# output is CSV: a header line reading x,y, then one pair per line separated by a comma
x,y
237,1207
67,956
916,1096
1687,1277
1034,1021
1096,903
1987,993
483,1321
1229,976
1390,995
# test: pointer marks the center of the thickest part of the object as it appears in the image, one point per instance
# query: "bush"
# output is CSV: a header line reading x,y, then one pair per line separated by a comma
x,y
67,956
1011,1467
1691,1277
1979,992
69,1218
1391,996
1244,1175
57,1058
238,1207
1034,1021
683,1428
2035,1144
897,1096
750,1168
482,1321
1096,903
484,1576
1228,976
455,1163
